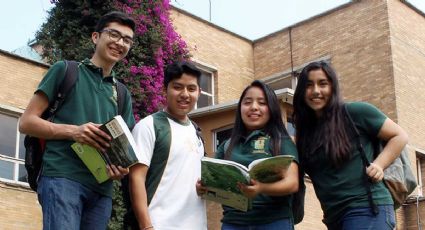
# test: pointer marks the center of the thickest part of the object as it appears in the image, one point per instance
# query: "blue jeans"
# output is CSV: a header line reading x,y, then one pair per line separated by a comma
x,y
68,205
363,218
285,224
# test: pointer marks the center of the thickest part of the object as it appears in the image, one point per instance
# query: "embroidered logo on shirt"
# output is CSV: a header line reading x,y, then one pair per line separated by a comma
x,y
259,145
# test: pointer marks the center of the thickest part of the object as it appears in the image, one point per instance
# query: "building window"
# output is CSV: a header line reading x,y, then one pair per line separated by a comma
x,y
283,81
290,127
12,150
420,167
207,86
289,78
221,135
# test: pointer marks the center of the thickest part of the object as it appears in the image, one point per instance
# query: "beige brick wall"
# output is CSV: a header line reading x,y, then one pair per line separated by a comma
x,y
231,55
411,212
408,55
408,48
355,37
19,208
19,79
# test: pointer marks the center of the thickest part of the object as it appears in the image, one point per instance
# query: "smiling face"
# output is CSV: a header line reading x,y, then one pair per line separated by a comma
x,y
182,94
318,91
109,51
254,109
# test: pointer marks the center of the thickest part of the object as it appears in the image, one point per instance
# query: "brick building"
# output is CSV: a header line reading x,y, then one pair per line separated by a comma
x,y
376,46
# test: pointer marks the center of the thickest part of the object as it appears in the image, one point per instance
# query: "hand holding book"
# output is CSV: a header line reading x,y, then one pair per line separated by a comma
x,y
224,179
116,172
91,134
250,190
121,152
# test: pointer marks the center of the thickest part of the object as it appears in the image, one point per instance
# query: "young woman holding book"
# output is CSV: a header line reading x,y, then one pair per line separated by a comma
x,y
329,151
259,132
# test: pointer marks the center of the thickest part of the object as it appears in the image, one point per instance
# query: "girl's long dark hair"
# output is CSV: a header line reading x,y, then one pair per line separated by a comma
x,y
274,127
329,131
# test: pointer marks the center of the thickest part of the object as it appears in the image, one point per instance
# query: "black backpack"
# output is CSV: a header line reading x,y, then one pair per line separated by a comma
x,y
34,146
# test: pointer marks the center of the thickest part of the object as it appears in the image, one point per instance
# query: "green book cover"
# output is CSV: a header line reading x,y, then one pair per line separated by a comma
x,y
93,160
221,178
221,181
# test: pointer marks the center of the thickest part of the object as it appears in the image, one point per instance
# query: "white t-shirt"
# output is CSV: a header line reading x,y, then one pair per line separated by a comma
x,y
175,204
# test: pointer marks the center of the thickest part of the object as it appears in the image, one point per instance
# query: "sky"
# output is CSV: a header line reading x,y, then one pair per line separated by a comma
x,y
252,19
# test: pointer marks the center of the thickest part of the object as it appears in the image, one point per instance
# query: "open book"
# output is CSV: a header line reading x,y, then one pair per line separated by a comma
x,y
120,153
221,178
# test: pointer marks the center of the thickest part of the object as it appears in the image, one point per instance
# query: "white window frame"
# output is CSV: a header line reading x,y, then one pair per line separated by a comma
x,y
16,113
207,68
420,158
212,87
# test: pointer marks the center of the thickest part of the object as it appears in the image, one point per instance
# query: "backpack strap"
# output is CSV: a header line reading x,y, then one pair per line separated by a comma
x,y
121,92
71,76
199,134
367,183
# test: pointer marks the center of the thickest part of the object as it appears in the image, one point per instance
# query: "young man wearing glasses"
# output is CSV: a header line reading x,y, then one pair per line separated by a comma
x,y
68,193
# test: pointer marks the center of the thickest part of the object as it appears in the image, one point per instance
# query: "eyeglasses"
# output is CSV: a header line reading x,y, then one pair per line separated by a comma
x,y
115,36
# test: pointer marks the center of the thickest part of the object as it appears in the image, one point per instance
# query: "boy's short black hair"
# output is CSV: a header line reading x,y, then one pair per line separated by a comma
x,y
177,69
115,16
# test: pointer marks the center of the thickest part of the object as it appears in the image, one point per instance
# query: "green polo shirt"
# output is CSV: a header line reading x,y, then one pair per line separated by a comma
x,y
92,99
265,209
340,189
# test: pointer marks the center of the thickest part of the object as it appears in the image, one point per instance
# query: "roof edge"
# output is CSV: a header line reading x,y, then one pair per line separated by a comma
x,y
285,95
314,17
210,23
7,53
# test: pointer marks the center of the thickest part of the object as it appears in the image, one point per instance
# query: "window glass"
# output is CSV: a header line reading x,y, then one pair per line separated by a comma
x,y
8,135
222,136
6,169
21,146
281,83
10,161
206,82
204,100
291,128
207,95
22,176
422,173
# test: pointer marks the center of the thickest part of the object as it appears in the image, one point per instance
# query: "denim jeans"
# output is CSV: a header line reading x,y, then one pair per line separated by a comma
x,y
363,218
68,205
285,224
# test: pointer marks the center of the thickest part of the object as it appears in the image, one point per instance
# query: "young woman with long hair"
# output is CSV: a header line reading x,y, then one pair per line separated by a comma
x,y
329,153
259,132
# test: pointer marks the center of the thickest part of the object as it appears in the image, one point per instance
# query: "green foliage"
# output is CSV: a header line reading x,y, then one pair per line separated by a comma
x,y
67,32
118,208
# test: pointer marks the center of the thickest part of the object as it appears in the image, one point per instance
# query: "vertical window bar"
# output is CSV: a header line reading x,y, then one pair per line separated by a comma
x,y
15,164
